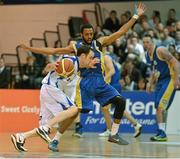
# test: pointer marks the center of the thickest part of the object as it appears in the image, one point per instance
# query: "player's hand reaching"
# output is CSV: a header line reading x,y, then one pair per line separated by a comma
x,y
140,8
23,46
93,62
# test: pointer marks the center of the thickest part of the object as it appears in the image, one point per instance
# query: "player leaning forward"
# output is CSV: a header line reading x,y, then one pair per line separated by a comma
x,y
92,84
57,95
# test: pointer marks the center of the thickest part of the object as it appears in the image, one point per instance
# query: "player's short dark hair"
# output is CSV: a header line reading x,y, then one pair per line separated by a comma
x,y
86,26
84,49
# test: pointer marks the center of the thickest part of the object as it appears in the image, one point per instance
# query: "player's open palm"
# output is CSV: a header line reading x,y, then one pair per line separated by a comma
x,y
140,9
93,63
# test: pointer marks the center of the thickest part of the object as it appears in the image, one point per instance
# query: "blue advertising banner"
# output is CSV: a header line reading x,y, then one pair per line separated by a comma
x,y
139,104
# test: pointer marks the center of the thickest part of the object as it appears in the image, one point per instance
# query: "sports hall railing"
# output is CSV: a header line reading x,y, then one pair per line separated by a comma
x,y
52,38
64,35
99,16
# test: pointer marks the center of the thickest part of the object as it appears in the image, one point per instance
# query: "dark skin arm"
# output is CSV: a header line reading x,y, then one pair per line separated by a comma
x,y
166,56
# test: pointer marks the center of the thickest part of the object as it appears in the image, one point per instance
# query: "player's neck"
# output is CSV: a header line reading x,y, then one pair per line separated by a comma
x,y
151,50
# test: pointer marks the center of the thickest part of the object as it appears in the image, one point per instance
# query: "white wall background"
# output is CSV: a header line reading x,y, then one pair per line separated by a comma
x,y
173,120
19,23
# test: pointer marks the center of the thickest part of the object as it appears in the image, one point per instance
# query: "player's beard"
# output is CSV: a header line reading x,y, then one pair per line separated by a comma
x,y
87,43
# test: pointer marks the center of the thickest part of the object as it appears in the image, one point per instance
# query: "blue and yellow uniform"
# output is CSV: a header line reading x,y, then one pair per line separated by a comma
x,y
114,80
165,91
92,85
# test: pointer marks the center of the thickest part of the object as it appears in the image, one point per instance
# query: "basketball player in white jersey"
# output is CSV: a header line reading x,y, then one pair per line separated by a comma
x,y
57,97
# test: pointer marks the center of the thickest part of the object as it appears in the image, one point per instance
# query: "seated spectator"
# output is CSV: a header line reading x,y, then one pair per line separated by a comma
x,y
138,48
166,40
171,17
142,25
32,74
177,39
178,26
112,23
123,19
128,15
155,20
4,75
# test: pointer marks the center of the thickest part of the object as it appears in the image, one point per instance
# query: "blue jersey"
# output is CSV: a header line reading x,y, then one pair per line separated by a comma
x,y
164,91
97,49
165,70
92,85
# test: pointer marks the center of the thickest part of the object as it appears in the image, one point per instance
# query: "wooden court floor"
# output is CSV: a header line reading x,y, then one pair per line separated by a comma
x,y
92,146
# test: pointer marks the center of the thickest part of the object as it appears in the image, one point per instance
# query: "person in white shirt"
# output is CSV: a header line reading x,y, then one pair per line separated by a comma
x,y
57,96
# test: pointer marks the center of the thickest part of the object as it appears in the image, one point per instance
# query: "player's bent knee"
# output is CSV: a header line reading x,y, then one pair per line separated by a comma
x,y
120,104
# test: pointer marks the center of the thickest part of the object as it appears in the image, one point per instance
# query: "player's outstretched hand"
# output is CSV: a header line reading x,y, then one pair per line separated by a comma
x,y
140,8
23,46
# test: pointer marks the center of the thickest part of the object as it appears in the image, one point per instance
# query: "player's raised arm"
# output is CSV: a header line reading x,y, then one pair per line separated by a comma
x,y
49,51
140,9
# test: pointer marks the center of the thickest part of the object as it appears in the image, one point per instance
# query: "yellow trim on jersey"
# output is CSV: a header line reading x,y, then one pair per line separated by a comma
x,y
102,57
152,54
74,47
106,71
167,95
78,100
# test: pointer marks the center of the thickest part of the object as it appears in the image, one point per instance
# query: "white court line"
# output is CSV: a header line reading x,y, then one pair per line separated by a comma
x,y
163,143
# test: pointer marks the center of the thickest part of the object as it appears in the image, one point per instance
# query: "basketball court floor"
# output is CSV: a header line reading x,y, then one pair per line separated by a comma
x,y
92,146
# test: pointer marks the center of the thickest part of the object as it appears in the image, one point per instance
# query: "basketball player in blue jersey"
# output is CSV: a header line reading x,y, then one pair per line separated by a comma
x,y
57,98
92,84
165,72
112,76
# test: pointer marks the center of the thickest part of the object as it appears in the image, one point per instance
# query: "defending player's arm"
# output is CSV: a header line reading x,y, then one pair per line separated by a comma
x,y
112,38
165,55
109,64
49,51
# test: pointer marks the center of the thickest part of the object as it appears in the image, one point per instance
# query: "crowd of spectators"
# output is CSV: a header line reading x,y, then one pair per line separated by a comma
x,y
128,50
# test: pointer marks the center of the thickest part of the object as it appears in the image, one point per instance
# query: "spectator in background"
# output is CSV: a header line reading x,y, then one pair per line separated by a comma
x,y
138,48
178,26
4,75
142,26
177,39
155,39
172,30
112,23
171,17
166,40
119,49
155,20
128,15
123,19
32,74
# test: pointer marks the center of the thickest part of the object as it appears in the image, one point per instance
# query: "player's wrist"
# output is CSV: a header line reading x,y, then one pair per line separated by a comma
x,y
135,16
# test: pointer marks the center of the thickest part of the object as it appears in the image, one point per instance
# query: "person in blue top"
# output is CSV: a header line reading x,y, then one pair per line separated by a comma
x,y
164,77
92,85
113,76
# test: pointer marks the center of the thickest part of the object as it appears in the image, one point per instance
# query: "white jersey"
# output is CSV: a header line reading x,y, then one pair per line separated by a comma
x,y
53,79
58,94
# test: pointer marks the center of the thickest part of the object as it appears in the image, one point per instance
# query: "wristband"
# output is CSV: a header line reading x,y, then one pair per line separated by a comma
x,y
135,16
